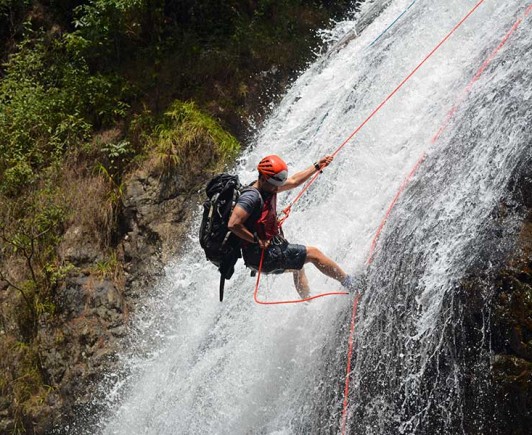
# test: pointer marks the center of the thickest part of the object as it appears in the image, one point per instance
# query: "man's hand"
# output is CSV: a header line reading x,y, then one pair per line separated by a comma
x,y
325,161
263,244
302,176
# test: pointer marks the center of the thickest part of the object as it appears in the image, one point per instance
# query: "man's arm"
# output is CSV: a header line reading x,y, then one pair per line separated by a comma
x,y
236,226
300,177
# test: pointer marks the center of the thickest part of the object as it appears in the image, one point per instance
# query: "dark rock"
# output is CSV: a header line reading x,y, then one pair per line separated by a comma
x,y
71,297
79,247
55,365
156,213
498,322
42,419
105,294
513,393
88,336
119,331
92,309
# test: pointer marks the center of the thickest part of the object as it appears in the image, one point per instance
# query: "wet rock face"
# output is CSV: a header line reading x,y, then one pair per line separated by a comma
x,y
512,340
79,247
497,326
80,346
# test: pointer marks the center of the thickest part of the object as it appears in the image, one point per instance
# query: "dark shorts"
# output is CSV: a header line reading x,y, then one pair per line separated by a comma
x,y
279,257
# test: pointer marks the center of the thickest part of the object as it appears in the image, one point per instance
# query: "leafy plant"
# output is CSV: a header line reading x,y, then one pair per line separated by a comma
x,y
109,267
11,12
30,230
108,27
117,155
49,104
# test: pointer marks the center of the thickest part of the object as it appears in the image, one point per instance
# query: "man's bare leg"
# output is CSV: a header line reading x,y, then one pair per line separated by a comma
x,y
301,283
324,264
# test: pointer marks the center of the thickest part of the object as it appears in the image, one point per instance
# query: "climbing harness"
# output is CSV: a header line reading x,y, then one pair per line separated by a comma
x,y
294,301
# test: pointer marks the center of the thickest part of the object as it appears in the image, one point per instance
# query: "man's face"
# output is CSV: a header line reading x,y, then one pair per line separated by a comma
x,y
267,187
270,188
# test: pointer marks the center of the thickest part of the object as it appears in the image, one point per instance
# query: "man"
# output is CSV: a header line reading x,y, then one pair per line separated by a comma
x,y
254,220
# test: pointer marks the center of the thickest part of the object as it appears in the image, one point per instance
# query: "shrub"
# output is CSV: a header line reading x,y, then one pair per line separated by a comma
x,y
11,12
115,28
49,103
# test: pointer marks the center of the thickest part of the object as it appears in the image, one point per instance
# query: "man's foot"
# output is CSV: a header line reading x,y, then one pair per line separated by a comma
x,y
354,283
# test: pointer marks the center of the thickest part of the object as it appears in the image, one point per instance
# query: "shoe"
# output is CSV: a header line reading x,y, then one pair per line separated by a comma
x,y
353,283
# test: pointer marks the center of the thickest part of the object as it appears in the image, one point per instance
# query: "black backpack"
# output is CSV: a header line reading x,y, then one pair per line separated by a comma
x,y
221,246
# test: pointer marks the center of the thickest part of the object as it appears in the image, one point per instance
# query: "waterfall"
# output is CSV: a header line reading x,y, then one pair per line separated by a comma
x,y
200,366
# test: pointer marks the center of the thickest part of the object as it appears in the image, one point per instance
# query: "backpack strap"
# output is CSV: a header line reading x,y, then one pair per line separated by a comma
x,y
227,267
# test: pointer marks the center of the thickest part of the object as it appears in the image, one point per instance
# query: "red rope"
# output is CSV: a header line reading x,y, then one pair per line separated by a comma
x,y
484,65
379,107
407,180
287,210
295,301
350,346
391,206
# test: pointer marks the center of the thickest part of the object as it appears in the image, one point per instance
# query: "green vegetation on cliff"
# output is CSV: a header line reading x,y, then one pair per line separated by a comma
x,y
188,136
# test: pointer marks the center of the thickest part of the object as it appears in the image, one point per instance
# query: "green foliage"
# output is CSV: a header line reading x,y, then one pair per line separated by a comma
x,y
11,11
26,382
117,187
9,7
79,70
190,137
114,27
6,5
30,229
117,156
55,275
49,104
109,267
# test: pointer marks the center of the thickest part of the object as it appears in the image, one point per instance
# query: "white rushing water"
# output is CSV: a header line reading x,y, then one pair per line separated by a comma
x,y
199,366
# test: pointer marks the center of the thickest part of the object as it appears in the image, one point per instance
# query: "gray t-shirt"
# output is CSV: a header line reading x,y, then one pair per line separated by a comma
x,y
251,201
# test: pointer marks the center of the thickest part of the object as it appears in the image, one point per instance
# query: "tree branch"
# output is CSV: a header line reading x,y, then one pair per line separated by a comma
x,y
22,292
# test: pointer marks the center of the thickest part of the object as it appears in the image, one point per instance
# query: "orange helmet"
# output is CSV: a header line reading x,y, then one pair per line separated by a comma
x,y
273,169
